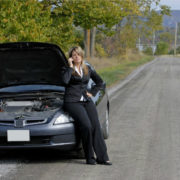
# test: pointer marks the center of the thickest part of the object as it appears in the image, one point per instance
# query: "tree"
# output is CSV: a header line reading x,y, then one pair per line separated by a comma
x,y
132,27
152,20
92,13
23,20
33,20
127,35
166,37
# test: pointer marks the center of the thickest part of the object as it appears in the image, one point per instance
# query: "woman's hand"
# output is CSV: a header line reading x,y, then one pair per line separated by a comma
x,y
89,94
70,60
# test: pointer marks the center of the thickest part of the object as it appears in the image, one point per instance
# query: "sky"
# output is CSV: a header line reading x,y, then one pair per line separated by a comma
x,y
174,4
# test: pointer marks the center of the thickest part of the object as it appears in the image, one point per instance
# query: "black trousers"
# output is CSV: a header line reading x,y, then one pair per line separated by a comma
x,y
86,118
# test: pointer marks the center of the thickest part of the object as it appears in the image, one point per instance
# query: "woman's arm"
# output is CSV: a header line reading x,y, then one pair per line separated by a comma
x,y
66,73
98,81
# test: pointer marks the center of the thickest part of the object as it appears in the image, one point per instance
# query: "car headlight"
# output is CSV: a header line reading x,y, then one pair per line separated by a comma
x,y
63,119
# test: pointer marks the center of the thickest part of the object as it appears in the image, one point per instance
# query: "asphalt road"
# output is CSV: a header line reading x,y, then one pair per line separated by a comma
x,y
144,141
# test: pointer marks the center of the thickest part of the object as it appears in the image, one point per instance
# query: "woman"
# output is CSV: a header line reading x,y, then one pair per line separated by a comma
x,y
78,104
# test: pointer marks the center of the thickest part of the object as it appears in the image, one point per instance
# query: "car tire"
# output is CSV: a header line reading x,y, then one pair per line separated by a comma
x,y
106,125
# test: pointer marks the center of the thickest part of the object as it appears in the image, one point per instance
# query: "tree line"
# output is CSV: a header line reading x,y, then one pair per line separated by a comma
x,y
72,22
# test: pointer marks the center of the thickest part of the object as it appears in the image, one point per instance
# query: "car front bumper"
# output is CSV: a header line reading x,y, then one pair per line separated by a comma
x,y
60,136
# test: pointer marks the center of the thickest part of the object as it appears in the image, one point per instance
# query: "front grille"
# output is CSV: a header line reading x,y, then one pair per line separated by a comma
x,y
6,122
35,121
40,140
22,123
33,141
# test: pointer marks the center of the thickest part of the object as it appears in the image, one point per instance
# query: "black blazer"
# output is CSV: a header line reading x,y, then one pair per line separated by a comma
x,y
75,86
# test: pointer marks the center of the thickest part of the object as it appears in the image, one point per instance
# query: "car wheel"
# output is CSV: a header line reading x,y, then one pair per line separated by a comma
x,y
106,125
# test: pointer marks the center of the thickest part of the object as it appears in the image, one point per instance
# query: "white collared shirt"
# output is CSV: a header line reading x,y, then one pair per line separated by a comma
x,y
81,74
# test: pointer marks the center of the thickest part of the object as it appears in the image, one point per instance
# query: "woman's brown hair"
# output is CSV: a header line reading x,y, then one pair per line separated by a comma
x,y
80,52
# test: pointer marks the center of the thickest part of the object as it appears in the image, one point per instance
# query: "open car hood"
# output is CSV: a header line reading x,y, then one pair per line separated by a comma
x,y
30,63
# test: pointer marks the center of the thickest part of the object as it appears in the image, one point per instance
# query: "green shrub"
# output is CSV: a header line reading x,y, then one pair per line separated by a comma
x,y
162,48
148,51
177,51
100,52
171,51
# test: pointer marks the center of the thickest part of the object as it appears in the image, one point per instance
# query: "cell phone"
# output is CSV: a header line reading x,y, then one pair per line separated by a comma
x,y
72,61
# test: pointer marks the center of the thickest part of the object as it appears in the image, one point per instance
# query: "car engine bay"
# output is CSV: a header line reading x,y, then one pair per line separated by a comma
x,y
34,108
9,105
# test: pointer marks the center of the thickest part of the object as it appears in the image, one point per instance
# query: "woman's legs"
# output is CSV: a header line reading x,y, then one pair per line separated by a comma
x,y
86,117
98,140
78,112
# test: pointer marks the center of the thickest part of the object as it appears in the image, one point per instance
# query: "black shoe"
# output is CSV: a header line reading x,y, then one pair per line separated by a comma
x,y
91,161
104,162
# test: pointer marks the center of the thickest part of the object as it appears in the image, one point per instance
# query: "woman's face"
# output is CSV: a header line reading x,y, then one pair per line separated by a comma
x,y
76,57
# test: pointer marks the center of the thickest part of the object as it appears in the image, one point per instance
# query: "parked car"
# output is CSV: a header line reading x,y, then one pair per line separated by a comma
x,y
31,98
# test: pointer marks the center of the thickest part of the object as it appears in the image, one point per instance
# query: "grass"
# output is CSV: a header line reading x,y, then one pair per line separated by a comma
x,y
115,69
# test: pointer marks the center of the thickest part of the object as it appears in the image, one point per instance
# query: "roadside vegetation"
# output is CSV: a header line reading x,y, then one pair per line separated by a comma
x,y
115,69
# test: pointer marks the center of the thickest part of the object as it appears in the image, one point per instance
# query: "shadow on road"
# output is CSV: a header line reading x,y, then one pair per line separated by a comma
x,y
37,156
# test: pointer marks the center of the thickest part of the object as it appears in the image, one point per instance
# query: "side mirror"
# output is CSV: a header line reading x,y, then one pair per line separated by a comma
x,y
104,85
